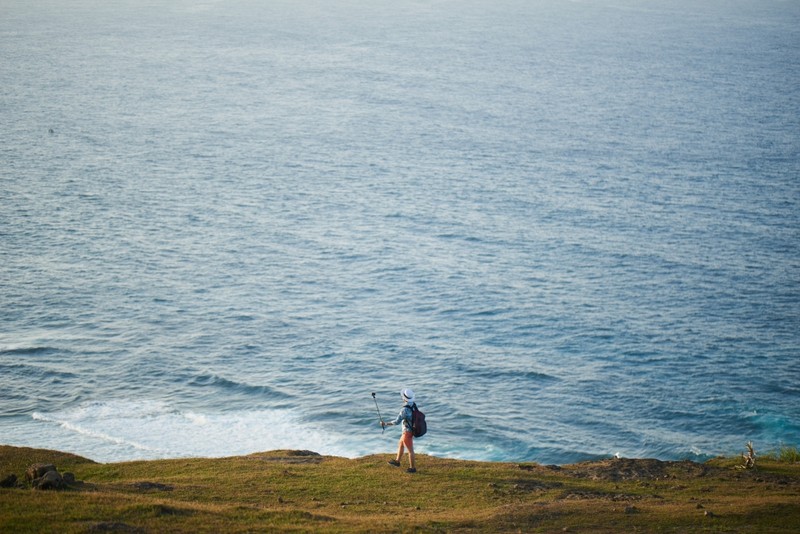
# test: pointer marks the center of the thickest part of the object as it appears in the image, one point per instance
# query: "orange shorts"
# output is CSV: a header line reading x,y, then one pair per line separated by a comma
x,y
408,440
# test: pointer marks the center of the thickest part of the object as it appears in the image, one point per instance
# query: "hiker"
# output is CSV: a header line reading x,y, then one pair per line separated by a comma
x,y
407,438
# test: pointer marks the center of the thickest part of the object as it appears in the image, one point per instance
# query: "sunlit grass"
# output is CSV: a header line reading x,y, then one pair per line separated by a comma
x,y
286,491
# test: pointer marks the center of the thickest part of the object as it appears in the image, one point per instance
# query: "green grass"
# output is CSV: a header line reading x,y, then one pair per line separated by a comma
x,y
288,491
786,454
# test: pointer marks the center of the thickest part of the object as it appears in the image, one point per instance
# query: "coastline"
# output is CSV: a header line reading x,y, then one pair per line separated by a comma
x,y
304,491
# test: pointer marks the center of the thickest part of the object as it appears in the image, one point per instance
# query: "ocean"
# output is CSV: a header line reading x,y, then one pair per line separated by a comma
x,y
571,227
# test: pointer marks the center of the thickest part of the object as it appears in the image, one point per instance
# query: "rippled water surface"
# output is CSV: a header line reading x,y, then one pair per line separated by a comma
x,y
571,227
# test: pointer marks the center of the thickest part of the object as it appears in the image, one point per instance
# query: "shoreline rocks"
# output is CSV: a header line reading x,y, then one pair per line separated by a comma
x,y
36,471
41,477
9,482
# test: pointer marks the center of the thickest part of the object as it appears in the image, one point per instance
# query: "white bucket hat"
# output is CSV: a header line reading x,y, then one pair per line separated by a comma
x,y
408,395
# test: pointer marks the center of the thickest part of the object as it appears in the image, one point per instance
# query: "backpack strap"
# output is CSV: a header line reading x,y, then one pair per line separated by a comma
x,y
410,420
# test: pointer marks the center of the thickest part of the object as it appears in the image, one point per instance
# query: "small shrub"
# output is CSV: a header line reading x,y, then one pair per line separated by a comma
x,y
789,454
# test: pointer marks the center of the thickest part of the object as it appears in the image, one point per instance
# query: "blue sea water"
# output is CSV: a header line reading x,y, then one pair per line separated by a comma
x,y
571,227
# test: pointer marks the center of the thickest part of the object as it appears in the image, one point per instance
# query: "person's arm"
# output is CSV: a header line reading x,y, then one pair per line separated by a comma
x,y
399,418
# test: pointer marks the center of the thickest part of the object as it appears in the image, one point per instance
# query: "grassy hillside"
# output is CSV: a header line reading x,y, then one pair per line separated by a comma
x,y
285,491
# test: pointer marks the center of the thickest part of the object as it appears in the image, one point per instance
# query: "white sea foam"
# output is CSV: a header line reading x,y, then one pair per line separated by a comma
x,y
81,429
151,429
196,418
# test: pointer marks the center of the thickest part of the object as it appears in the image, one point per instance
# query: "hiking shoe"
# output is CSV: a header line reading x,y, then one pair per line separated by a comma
x,y
411,470
394,463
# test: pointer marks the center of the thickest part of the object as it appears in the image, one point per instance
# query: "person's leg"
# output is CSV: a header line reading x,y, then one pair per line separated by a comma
x,y
400,449
408,441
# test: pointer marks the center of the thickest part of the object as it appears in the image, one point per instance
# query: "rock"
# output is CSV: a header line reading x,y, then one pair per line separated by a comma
x,y
37,471
69,478
50,480
631,510
9,482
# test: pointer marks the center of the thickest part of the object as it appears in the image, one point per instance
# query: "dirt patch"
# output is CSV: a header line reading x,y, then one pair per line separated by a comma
x,y
162,510
619,469
289,457
151,486
597,495
114,526
756,476
529,486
